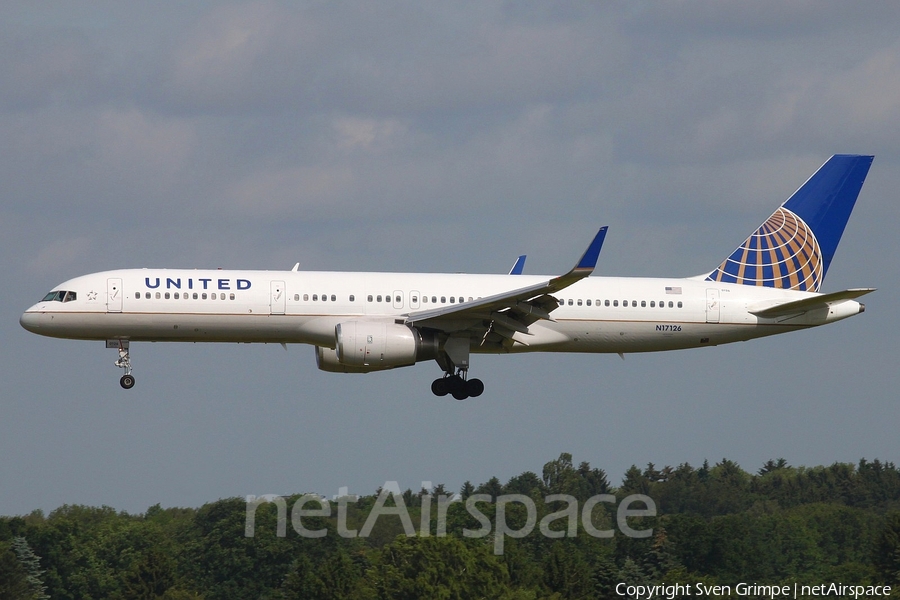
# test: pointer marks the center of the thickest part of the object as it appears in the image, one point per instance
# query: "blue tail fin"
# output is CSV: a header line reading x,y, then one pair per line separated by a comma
x,y
794,247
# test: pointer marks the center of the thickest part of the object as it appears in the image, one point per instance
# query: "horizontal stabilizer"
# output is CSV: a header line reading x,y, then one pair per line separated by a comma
x,y
767,311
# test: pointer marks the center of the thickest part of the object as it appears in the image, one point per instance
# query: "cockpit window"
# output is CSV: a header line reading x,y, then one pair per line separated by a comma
x,y
60,296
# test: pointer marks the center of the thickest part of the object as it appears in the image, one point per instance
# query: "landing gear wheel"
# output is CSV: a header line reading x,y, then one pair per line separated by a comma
x,y
439,387
124,362
474,387
457,387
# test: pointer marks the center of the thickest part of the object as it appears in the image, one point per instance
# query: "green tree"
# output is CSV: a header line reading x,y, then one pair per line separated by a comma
x,y
466,490
31,563
13,576
566,571
334,577
887,550
433,567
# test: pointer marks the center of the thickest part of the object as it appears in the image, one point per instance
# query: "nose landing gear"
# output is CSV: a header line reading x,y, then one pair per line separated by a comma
x,y
124,362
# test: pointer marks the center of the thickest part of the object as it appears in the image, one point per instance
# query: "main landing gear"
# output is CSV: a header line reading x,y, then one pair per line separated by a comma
x,y
457,386
454,360
124,362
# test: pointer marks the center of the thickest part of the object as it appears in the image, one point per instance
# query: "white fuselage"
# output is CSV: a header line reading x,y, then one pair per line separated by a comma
x,y
596,314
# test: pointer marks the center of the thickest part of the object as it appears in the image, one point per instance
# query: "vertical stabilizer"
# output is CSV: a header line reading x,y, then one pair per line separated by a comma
x,y
794,247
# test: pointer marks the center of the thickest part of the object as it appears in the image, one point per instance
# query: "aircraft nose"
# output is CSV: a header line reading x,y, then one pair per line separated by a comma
x,y
31,321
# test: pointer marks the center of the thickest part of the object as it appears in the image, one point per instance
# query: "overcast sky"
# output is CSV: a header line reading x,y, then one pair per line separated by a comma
x,y
438,137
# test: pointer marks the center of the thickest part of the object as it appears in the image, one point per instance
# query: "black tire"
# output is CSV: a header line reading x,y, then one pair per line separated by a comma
x,y
439,387
127,381
474,387
460,394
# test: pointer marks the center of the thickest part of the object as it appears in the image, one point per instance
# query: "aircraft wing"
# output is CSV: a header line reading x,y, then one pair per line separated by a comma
x,y
794,307
509,312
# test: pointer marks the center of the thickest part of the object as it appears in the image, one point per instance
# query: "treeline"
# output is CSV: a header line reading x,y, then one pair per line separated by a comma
x,y
714,524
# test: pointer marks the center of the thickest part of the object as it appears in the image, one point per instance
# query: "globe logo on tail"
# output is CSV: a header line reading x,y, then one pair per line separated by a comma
x,y
782,253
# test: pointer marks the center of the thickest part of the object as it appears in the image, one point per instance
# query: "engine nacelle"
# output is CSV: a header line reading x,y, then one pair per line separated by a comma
x,y
327,360
364,346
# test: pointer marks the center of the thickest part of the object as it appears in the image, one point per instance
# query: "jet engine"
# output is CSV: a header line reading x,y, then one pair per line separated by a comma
x,y
365,346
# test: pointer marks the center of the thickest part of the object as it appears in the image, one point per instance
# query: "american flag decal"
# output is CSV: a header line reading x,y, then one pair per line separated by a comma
x,y
673,290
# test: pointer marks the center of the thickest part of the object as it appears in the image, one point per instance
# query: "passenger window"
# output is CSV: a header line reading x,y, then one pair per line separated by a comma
x,y
414,299
588,302
352,298
443,299
579,302
378,298
203,296
305,297
679,304
653,304
324,297
195,295
231,296
212,296
157,295
315,297
634,304
177,296
434,299
147,295
296,297
606,303
670,304
369,297
452,299
615,302
137,296
167,295
662,303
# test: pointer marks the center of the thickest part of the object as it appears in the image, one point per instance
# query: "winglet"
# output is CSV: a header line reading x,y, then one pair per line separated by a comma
x,y
589,259
518,267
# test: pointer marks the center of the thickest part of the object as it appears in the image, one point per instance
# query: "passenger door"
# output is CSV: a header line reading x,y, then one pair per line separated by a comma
x,y
114,295
713,309
277,298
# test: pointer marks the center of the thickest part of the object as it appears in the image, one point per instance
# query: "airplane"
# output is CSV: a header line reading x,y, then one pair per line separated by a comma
x,y
365,322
